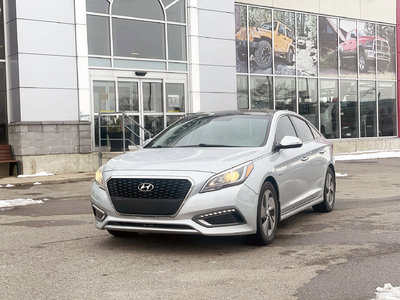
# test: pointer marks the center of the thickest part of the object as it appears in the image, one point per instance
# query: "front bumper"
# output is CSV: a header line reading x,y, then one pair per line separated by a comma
x,y
238,199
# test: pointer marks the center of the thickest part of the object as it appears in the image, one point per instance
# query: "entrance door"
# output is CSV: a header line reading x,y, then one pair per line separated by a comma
x,y
152,103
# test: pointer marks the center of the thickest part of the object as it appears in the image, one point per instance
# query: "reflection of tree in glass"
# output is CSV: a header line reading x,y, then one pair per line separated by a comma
x,y
240,17
285,17
366,29
259,16
307,26
284,90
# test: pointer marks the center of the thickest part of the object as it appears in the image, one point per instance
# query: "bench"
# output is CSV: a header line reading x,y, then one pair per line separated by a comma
x,y
6,157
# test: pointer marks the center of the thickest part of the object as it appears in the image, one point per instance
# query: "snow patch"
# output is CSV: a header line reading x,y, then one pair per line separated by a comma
x,y
9,185
37,174
341,175
36,183
366,155
388,292
6,204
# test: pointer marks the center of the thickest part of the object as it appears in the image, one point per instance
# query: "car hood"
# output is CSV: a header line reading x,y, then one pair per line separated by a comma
x,y
212,160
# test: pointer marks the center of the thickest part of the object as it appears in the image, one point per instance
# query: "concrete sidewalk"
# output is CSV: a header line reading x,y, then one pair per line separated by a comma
x,y
62,178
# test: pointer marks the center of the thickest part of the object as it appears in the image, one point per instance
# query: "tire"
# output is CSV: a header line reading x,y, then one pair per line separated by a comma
x,y
120,234
263,55
267,215
362,62
289,57
329,193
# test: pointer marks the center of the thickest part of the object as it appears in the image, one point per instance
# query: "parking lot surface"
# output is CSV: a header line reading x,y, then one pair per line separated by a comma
x,y
52,250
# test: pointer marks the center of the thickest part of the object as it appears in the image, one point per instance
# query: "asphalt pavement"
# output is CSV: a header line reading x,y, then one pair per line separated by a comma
x,y
53,251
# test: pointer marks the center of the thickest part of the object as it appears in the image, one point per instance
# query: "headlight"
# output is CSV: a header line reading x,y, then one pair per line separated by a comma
x,y
228,178
99,177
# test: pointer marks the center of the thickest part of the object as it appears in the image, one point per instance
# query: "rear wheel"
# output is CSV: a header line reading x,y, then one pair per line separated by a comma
x,y
263,55
117,233
329,193
267,215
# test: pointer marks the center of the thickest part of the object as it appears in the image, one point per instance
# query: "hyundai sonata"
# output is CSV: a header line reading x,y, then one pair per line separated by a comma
x,y
224,173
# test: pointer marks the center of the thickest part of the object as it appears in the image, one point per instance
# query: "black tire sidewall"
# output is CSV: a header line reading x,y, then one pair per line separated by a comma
x,y
261,237
258,55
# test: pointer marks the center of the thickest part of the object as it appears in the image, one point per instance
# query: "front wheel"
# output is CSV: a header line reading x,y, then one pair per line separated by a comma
x,y
263,55
329,193
267,215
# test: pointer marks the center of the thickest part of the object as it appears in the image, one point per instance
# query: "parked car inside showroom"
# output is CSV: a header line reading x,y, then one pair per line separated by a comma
x,y
217,174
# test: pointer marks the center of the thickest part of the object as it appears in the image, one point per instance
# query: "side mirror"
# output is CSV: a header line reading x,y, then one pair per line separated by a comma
x,y
289,142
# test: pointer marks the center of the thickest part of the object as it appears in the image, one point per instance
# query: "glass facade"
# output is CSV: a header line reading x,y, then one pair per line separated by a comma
x,y
338,73
144,34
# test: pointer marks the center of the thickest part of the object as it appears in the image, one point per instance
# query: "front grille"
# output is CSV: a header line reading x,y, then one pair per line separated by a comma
x,y
164,199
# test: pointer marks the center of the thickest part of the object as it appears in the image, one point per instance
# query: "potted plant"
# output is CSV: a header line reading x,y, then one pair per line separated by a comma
x,y
114,131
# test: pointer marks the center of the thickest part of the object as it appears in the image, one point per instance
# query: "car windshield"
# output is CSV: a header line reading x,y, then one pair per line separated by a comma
x,y
215,131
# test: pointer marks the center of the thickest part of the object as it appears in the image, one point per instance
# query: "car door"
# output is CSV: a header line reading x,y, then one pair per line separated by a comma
x,y
289,167
314,167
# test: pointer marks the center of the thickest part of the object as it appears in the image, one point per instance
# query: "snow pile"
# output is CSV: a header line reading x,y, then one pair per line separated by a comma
x,y
366,155
388,292
9,185
36,183
341,175
5,204
37,174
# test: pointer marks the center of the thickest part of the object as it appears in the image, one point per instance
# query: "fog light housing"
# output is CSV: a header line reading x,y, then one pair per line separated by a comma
x,y
99,214
223,217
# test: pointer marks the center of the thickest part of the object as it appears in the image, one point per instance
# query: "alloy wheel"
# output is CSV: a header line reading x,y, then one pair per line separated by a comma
x,y
268,213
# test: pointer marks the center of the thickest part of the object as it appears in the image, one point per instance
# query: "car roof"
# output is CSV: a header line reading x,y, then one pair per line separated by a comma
x,y
237,112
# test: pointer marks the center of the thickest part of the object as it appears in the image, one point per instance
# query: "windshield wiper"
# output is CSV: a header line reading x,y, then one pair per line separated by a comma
x,y
205,145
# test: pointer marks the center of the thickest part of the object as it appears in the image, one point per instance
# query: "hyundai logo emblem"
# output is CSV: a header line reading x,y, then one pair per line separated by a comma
x,y
145,187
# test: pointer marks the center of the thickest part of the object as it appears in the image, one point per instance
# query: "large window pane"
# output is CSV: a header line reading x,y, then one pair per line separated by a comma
x,y
261,92
328,42
145,9
2,47
386,51
367,50
138,39
308,99
285,93
98,6
152,97
348,48
307,54
260,40
128,96
177,42
104,96
349,108
387,108
154,124
241,38
176,13
329,108
284,50
242,92
175,97
98,31
368,108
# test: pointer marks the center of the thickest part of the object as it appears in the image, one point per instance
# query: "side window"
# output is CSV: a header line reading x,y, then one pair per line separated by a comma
x,y
284,128
288,33
315,132
303,131
281,29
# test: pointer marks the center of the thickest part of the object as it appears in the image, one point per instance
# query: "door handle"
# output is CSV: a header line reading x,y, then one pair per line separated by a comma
x,y
304,158
322,152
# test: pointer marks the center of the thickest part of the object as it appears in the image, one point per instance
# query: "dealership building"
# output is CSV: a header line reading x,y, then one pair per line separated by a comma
x,y
74,72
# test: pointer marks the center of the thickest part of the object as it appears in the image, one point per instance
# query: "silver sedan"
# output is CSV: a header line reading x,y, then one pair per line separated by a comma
x,y
224,173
